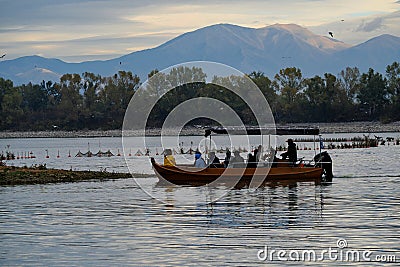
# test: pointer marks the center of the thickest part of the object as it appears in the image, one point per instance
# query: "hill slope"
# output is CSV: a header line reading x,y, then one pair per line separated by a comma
x,y
267,49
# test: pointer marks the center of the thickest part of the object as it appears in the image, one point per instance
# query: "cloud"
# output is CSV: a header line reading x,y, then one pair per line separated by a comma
x,y
369,26
357,30
69,28
89,48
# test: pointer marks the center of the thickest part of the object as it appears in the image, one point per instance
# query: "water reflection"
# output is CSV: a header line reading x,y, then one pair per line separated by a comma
x,y
115,223
296,204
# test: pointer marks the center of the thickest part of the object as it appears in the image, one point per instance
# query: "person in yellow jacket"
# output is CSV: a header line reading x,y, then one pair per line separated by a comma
x,y
169,160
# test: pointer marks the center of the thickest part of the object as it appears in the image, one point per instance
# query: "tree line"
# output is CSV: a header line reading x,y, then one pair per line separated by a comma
x,y
90,101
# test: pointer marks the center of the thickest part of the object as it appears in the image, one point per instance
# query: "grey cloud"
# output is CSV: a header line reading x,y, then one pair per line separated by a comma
x,y
84,48
388,22
19,29
114,40
92,12
369,26
107,20
75,12
50,17
71,12
394,15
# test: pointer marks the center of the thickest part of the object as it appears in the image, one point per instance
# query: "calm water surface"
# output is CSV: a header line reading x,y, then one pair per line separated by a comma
x,y
115,223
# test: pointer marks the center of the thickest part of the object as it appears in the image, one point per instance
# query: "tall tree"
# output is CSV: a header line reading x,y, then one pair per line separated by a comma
x,y
373,94
289,83
5,86
337,101
316,98
70,107
265,85
393,77
35,97
11,108
34,104
349,80
115,96
92,84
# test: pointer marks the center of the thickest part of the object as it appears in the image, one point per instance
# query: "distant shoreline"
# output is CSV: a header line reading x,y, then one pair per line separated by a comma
x,y
325,128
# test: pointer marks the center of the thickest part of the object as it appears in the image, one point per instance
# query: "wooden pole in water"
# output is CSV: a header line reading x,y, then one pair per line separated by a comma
x,y
320,143
315,152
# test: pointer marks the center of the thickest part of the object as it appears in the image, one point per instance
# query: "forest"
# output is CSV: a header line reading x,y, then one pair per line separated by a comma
x,y
90,102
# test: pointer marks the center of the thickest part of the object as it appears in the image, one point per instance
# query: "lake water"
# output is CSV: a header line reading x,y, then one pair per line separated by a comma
x,y
116,223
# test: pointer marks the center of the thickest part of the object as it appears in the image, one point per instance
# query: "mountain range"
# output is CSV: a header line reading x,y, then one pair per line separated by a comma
x,y
267,49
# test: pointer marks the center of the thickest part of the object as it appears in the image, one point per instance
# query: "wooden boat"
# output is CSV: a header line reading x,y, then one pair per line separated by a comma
x,y
278,171
185,175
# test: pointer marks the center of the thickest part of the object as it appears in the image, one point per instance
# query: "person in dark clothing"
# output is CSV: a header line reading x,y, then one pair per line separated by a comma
x,y
255,156
227,158
214,160
291,152
251,160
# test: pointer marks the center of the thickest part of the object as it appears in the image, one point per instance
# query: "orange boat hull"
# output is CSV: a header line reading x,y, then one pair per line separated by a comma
x,y
184,175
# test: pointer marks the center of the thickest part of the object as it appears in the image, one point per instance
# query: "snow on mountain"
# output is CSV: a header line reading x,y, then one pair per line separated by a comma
x,y
323,43
36,76
267,49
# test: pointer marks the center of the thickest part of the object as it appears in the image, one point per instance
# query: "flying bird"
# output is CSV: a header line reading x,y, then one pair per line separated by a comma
x,y
3,55
331,34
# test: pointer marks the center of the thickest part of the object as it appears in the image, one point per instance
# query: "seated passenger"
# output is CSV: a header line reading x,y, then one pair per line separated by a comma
x,y
258,152
273,158
291,152
251,160
237,161
214,160
169,160
199,161
227,158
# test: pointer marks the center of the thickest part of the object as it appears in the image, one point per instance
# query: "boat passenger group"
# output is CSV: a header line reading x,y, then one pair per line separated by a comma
x,y
236,161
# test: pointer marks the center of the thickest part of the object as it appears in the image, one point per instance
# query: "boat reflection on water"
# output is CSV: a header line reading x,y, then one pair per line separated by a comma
x,y
276,205
238,183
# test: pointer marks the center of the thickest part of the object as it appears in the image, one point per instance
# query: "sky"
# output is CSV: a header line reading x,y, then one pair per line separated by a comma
x,y
80,30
